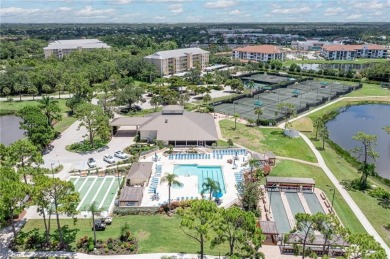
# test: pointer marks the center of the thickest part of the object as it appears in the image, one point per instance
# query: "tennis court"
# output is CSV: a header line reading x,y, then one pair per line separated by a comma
x,y
101,190
266,79
302,95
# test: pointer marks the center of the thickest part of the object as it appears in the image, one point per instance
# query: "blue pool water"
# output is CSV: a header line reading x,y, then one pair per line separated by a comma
x,y
202,172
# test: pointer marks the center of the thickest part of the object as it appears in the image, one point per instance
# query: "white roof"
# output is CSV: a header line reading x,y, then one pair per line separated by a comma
x,y
74,44
175,53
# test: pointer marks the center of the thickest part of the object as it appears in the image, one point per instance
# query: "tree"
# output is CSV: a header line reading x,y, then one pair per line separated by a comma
x,y
199,220
59,87
94,120
12,194
258,112
367,151
324,134
363,245
387,129
249,194
318,123
49,107
239,229
39,132
207,98
93,208
65,199
193,75
210,186
251,84
155,101
19,88
251,122
24,154
235,116
171,180
33,90
129,95
6,91
286,110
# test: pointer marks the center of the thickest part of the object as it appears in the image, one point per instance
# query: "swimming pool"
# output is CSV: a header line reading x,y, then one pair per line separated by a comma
x,y
202,172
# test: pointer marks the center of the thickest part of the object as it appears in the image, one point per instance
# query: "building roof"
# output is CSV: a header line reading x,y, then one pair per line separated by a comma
x,y
140,170
268,49
129,193
269,227
190,126
352,47
175,53
129,121
169,109
318,239
74,44
275,179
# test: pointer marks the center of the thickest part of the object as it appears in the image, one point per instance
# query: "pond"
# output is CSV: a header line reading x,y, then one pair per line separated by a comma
x,y
345,67
371,119
9,129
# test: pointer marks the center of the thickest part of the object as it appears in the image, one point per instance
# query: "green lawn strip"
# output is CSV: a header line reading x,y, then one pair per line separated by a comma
x,y
155,234
287,168
79,183
103,191
322,61
370,90
112,192
267,139
376,214
88,198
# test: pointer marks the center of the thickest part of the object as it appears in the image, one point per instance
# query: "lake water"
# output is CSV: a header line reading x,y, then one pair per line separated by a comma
x,y
370,119
9,129
343,67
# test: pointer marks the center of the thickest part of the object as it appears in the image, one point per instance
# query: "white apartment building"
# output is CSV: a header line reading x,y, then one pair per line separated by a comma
x,y
60,48
260,53
311,44
347,52
175,61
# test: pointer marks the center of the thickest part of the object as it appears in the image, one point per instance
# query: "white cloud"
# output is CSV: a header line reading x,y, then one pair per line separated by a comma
x,y
220,4
235,12
119,2
318,5
333,11
176,8
88,11
64,9
375,5
294,10
354,16
160,18
169,1
16,11
378,13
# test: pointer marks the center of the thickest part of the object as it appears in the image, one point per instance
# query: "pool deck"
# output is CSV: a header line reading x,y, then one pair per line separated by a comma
x,y
190,188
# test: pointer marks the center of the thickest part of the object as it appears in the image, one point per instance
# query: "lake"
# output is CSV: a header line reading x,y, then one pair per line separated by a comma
x,y
370,118
9,129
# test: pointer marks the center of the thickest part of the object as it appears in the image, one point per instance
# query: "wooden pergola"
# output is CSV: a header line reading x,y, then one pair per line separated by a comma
x,y
270,230
289,184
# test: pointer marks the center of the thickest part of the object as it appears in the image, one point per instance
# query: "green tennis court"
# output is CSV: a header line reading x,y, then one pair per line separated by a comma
x,y
101,190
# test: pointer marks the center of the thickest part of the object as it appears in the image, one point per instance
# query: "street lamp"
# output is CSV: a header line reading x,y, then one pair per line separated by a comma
x,y
52,171
334,191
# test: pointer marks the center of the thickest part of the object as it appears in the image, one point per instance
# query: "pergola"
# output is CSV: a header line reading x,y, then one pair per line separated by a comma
x,y
131,196
270,230
289,184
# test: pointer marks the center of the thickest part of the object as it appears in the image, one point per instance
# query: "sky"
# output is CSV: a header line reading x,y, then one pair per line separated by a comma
x,y
192,11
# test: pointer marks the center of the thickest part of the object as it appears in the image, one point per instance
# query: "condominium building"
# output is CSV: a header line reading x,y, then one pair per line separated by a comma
x,y
260,53
60,48
346,52
175,61
311,45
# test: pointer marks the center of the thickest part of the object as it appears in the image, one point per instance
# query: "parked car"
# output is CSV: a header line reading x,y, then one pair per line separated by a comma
x,y
121,154
91,162
109,159
107,220
99,225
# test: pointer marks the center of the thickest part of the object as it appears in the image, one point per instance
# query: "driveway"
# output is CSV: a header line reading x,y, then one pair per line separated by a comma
x,y
70,160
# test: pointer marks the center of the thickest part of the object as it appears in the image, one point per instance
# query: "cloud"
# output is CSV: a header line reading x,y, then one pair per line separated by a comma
x,y
333,11
294,10
235,12
160,18
220,4
176,8
88,11
169,1
354,16
64,9
16,11
372,5
119,2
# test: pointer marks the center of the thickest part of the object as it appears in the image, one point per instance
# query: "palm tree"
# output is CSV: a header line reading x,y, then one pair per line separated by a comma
x,y
206,98
318,123
211,186
171,180
252,164
93,209
50,108
258,112
235,116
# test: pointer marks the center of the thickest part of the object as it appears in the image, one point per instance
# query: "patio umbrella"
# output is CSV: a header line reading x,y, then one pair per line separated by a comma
x,y
217,195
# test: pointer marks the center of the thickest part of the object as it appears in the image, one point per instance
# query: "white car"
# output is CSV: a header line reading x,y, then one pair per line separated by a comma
x,y
121,154
109,159
108,220
91,162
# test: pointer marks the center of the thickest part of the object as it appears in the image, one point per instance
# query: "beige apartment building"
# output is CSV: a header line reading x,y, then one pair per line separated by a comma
x,y
348,52
60,48
260,53
176,61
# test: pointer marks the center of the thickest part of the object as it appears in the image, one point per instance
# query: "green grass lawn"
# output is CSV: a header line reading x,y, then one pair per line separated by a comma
x,y
155,234
356,61
287,168
15,106
267,139
370,90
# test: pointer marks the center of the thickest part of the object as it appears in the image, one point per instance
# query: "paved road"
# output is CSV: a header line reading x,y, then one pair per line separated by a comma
x,y
359,214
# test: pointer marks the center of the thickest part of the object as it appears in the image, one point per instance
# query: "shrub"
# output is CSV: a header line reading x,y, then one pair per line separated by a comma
x,y
378,193
136,211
